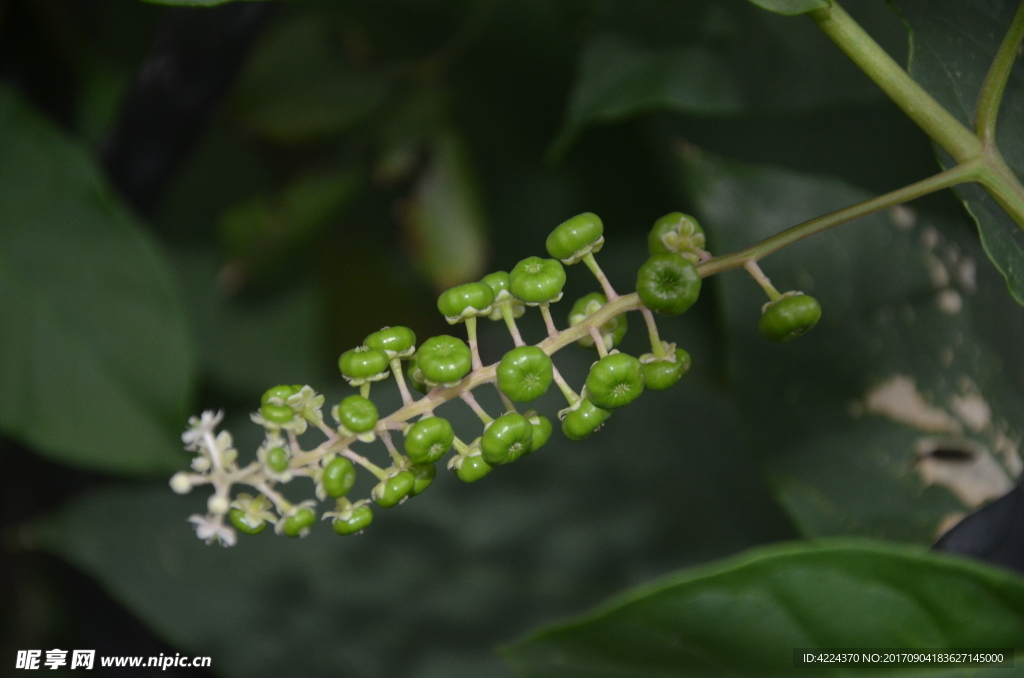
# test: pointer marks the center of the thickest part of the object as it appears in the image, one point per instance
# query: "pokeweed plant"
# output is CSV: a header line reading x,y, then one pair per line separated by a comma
x,y
446,368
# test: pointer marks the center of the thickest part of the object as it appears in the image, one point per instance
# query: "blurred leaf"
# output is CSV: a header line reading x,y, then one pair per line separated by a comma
x,y
95,355
444,219
196,3
299,87
952,46
791,6
248,344
266,229
745,616
433,585
618,81
896,414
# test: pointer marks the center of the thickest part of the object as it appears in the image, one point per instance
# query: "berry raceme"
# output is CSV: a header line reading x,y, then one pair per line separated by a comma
x,y
446,368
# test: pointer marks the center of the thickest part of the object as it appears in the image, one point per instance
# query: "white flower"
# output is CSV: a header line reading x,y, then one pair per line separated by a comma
x,y
199,427
181,483
209,528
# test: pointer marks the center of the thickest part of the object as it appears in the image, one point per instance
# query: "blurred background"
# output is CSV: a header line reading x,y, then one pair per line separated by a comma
x,y
202,202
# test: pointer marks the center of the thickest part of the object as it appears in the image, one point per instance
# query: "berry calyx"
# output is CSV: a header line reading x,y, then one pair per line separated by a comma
x,y
524,373
612,331
339,476
677,233
615,380
393,489
443,359
575,238
415,375
359,518
428,440
789,317
661,374
465,301
509,437
357,414
582,421
363,364
396,342
537,281
668,284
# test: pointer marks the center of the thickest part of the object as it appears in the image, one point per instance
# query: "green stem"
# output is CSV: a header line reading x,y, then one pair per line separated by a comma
x,y
595,334
592,264
473,350
987,110
396,369
970,171
652,331
919,106
758,275
470,400
510,322
549,322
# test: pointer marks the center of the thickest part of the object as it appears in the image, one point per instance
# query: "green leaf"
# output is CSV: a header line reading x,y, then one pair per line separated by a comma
x,y
899,411
952,45
792,7
95,355
745,616
618,81
297,87
196,3
444,218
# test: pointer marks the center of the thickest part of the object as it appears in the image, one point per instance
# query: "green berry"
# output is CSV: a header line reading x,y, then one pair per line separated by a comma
x,y
660,375
393,489
357,414
360,518
584,420
444,359
541,430
396,342
612,331
677,233
281,392
615,380
339,476
428,440
509,437
463,301
277,459
667,283
573,239
424,474
472,469
536,280
298,524
498,282
789,317
524,373
278,414
363,363
415,375
237,517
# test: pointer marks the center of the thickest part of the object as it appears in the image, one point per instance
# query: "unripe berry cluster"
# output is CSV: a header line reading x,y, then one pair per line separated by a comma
x,y
446,368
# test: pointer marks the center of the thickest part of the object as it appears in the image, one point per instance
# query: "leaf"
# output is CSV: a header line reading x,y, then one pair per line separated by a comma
x,y
433,585
952,45
618,81
901,410
444,219
792,7
197,3
95,354
298,87
745,616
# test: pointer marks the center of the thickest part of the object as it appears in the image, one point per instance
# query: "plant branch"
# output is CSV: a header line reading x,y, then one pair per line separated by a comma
x,y
987,110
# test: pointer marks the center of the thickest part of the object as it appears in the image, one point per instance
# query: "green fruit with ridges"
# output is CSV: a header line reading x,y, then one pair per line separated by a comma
x,y
509,437
536,280
473,469
296,524
584,420
415,375
363,362
339,476
237,517
676,233
393,489
470,299
361,517
278,414
524,373
575,237
281,392
497,281
277,459
789,317
428,440
395,341
612,331
615,380
357,414
444,359
661,375
541,430
668,284
424,474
